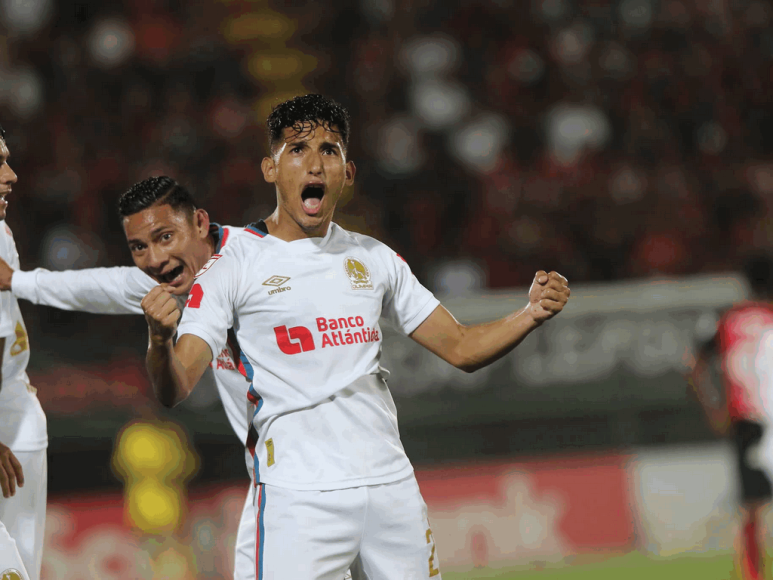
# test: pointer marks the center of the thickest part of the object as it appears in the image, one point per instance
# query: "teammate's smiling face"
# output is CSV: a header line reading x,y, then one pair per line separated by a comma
x,y
310,170
7,177
169,245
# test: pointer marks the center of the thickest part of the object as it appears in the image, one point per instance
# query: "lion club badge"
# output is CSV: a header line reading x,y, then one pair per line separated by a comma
x,y
359,275
11,574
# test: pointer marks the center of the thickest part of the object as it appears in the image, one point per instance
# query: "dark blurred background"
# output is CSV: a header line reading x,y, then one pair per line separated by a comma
x,y
615,141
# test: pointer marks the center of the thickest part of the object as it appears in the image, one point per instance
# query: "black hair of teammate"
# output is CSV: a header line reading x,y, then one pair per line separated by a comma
x,y
2,133
313,109
161,190
759,272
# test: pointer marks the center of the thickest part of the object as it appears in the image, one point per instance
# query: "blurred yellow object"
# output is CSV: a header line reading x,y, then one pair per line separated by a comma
x,y
155,460
154,506
279,65
263,25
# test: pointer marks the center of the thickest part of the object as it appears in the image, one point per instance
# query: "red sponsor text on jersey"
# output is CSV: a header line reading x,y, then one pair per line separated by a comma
x,y
334,332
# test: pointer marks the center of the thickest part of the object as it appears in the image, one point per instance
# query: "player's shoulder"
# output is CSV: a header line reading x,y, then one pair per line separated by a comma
x,y
355,239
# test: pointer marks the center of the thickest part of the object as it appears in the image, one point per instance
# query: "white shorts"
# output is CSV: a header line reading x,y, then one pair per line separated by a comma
x,y
381,532
244,557
10,560
24,514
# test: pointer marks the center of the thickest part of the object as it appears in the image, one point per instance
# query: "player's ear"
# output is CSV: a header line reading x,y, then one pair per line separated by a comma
x,y
201,222
350,172
269,169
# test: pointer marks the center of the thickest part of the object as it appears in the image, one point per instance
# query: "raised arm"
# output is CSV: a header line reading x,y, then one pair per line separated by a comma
x,y
174,369
470,348
117,290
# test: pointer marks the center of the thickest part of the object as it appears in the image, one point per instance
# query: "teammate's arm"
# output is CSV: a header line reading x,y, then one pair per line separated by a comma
x,y
11,473
116,290
174,369
470,348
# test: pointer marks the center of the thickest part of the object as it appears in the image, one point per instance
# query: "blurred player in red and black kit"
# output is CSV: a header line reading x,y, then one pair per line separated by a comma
x,y
733,358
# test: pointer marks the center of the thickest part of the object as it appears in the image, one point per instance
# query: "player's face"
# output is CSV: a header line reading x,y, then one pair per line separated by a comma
x,y
168,245
7,178
309,171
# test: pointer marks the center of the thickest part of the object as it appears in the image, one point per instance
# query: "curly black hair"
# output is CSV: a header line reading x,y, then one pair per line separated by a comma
x,y
313,109
161,190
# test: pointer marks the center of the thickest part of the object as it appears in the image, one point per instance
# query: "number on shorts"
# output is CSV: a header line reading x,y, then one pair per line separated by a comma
x,y
432,570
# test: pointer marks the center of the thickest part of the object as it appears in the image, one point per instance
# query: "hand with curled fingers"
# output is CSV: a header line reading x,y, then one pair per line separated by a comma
x,y
548,295
11,473
162,313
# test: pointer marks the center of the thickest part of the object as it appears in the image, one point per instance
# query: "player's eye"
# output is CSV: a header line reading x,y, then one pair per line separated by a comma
x,y
136,248
295,150
166,237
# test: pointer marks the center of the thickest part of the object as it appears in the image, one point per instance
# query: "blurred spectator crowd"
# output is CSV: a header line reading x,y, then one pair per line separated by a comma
x,y
605,139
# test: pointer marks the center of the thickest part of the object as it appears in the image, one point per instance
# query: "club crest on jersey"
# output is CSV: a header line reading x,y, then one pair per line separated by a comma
x,y
11,574
359,275
208,265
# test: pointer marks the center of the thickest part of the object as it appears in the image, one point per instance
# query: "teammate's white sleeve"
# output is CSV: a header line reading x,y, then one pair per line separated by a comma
x,y
209,311
6,318
406,303
117,290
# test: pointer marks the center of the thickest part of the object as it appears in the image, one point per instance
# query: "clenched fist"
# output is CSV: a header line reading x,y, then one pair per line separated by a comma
x,y
162,314
548,295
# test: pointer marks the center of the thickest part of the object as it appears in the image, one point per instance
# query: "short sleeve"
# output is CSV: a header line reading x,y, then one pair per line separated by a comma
x,y
407,303
208,311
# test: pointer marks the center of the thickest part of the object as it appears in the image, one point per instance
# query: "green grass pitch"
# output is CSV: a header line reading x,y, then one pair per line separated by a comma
x,y
634,566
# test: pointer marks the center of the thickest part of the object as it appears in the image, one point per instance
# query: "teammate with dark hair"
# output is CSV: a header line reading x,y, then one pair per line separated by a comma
x,y
335,488
729,382
170,240
23,436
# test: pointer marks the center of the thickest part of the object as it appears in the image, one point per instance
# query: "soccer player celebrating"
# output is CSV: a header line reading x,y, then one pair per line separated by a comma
x,y
742,348
170,239
23,436
304,298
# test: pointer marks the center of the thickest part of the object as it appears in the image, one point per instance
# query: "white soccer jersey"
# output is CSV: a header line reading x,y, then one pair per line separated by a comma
x,y
120,290
306,314
22,421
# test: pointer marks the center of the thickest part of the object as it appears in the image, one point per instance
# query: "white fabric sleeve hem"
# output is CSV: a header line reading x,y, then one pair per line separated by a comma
x,y
415,321
24,285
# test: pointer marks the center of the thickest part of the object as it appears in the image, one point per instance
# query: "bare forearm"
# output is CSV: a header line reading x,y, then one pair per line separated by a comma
x,y
483,344
167,374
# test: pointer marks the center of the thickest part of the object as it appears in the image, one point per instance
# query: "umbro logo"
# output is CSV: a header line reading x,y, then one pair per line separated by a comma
x,y
277,281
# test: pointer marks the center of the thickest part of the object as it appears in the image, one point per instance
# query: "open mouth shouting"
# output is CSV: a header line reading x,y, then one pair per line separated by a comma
x,y
173,277
312,198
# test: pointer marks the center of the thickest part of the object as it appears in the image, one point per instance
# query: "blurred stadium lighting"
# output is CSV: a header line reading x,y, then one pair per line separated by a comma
x,y
399,147
571,45
636,13
526,67
458,277
22,90
573,128
229,118
111,42
430,55
479,143
439,103
64,249
25,17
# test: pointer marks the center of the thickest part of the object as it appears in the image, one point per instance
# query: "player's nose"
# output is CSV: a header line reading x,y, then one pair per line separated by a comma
x,y
156,259
7,175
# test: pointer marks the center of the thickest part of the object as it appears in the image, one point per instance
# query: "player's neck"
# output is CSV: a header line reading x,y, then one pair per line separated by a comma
x,y
282,226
